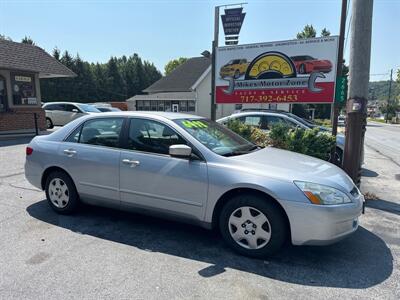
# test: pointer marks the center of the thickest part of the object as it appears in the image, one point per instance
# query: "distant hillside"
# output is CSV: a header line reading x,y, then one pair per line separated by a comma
x,y
379,90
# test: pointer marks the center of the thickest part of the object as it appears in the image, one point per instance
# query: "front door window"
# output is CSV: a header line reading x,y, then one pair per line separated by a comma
x,y
3,94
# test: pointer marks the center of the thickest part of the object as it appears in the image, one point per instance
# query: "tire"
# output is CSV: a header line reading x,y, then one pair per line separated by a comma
x,y
61,193
49,123
244,239
302,69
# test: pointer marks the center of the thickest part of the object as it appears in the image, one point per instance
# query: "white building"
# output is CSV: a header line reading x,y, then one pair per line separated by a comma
x,y
187,89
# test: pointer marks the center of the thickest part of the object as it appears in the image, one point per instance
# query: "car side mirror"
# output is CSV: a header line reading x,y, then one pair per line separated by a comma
x,y
75,110
181,151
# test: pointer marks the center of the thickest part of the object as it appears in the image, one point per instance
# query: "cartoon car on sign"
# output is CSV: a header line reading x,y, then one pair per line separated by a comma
x,y
234,68
306,64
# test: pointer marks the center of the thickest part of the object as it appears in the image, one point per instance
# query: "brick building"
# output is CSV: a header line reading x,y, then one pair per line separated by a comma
x,y
21,68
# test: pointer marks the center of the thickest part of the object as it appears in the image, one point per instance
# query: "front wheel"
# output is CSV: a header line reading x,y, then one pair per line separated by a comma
x,y
253,226
61,193
49,123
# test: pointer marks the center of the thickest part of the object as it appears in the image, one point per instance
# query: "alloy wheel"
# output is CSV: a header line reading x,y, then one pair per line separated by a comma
x,y
58,193
249,227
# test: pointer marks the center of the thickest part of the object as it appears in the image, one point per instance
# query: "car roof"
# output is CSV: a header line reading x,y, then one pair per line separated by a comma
x,y
160,114
64,102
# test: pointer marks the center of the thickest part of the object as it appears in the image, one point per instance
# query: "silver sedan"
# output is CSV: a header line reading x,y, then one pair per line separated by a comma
x,y
192,169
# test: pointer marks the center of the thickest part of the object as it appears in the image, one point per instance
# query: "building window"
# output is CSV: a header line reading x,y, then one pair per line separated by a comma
x,y
191,106
23,89
160,105
183,106
167,106
146,105
153,105
139,105
3,94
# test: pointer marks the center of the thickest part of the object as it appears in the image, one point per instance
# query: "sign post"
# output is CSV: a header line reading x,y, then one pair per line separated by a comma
x,y
229,19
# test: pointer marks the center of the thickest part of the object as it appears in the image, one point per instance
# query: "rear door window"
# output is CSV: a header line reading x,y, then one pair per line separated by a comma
x,y
101,132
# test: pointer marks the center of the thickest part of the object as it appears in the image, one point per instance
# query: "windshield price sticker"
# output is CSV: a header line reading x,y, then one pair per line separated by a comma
x,y
194,124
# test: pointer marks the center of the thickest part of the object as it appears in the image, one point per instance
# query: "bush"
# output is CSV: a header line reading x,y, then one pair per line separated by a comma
x,y
250,133
310,141
306,141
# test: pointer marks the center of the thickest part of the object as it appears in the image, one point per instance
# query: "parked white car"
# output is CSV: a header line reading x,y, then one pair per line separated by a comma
x,y
61,113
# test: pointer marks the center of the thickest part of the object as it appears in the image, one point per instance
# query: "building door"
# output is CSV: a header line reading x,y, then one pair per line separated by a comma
x,y
3,94
175,107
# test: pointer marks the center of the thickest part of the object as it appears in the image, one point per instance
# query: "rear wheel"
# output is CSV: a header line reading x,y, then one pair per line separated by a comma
x,y
253,226
49,123
61,193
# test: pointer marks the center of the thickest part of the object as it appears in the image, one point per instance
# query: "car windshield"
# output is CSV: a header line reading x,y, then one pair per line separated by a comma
x,y
88,108
301,120
234,62
216,137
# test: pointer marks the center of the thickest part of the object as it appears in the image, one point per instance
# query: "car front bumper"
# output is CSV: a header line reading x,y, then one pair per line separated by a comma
x,y
322,225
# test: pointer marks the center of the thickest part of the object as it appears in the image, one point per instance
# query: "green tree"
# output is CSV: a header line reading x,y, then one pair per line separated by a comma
x,y
56,53
4,37
116,80
307,32
325,32
173,64
28,40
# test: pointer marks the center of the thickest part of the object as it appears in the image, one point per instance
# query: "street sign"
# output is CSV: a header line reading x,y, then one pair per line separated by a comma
x,y
232,22
341,89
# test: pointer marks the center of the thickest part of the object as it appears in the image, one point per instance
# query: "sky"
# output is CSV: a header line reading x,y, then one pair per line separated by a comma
x,y
160,30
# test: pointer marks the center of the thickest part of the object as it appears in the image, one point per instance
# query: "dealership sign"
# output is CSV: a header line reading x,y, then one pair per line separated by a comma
x,y
296,71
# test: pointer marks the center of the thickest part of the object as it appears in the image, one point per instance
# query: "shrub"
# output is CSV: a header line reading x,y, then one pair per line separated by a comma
x,y
306,141
250,133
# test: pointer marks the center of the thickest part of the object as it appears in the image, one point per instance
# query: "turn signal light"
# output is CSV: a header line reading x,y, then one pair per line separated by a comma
x,y
29,150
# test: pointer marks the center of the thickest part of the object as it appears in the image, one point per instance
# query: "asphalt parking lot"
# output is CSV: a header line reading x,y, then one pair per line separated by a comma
x,y
101,253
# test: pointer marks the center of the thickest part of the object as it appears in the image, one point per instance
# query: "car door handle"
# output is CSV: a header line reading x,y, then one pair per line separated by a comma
x,y
133,163
69,152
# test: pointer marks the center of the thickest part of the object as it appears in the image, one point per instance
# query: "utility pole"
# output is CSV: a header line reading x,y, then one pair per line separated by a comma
x,y
360,55
389,95
335,106
214,47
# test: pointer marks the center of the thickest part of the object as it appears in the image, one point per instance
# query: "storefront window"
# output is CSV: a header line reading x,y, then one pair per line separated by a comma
x,y
153,105
139,105
3,94
183,106
191,106
146,105
167,106
160,105
23,89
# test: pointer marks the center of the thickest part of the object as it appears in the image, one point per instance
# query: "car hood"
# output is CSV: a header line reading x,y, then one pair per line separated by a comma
x,y
291,166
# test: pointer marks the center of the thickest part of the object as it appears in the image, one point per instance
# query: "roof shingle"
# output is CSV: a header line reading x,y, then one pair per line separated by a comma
x,y
25,57
182,78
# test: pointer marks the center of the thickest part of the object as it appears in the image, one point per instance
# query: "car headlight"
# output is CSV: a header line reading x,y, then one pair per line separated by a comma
x,y
322,194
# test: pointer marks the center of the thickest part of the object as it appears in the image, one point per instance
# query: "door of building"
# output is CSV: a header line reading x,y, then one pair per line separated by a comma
x,y
175,107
